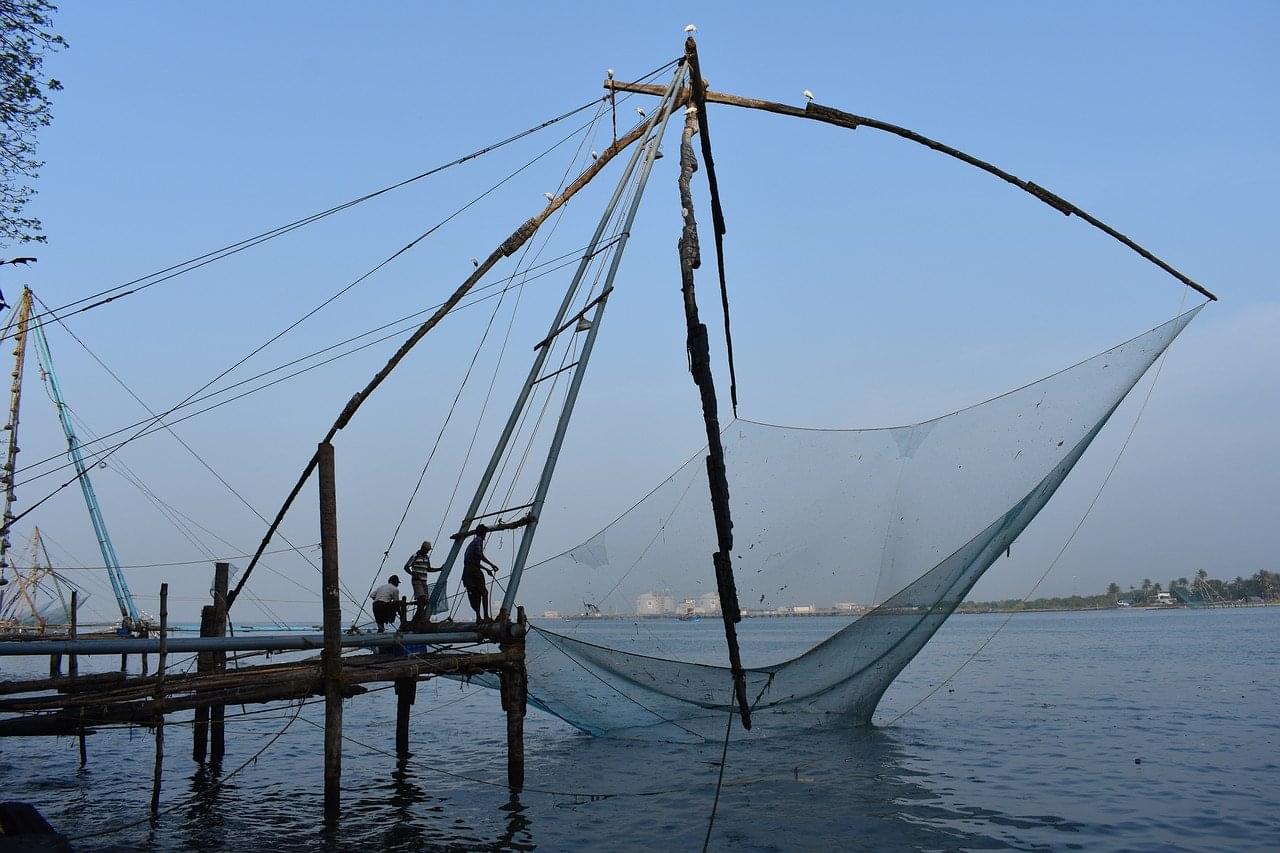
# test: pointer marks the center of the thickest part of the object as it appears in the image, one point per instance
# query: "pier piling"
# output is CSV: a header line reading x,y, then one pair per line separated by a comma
x,y
200,720
331,658
217,713
406,694
164,636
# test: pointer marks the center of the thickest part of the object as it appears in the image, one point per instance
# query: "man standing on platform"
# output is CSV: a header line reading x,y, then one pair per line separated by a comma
x,y
473,573
419,568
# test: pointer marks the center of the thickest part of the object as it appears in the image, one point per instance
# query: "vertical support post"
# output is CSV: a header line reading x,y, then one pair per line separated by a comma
x,y
406,694
217,714
514,680
331,658
164,653
124,663
200,720
73,665
143,656
55,666
699,353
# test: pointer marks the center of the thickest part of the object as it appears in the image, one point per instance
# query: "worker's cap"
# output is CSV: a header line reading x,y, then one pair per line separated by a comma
x,y
426,544
394,580
482,529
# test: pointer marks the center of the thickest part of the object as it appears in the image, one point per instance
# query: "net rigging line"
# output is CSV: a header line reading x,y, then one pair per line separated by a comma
x,y
1065,545
303,318
471,366
191,450
559,263
170,272
262,387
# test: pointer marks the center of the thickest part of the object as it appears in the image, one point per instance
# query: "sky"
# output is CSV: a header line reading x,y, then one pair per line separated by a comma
x,y
873,282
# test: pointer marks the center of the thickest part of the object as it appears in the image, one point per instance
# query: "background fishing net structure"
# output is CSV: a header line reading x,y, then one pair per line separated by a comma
x,y
900,520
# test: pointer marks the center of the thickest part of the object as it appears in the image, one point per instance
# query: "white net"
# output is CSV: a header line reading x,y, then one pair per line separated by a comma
x,y
900,522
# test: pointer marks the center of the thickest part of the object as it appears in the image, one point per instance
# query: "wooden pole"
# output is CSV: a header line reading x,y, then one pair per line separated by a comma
x,y
55,666
164,652
73,665
200,722
699,355
331,658
217,714
514,680
406,694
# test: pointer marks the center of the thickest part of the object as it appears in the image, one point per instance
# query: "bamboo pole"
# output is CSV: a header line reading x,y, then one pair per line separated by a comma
x,y
331,659
839,118
164,652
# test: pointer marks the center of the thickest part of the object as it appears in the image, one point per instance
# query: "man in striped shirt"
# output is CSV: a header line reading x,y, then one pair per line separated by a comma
x,y
419,568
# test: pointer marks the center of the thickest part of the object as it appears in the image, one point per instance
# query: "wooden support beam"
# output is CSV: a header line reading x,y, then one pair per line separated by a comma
x,y
699,353
514,683
406,694
74,669
163,660
200,721
331,659
839,118
217,713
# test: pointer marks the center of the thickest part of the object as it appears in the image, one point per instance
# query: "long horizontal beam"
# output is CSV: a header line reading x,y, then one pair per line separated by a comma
x,y
264,643
839,118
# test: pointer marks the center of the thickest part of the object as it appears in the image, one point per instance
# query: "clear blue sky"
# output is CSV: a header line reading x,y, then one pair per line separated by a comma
x,y
874,282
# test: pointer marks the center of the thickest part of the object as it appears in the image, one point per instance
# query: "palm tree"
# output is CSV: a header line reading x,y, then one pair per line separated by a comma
x,y
1113,590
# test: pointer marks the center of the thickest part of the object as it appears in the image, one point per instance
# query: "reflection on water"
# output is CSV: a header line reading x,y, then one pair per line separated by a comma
x,y
1034,747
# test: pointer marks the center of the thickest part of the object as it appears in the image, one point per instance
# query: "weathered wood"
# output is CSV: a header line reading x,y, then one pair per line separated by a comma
x,y
217,713
406,694
698,89
74,669
160,665
839,118
699,353
200,722
55,666
84,682
331,659
73,663
514,686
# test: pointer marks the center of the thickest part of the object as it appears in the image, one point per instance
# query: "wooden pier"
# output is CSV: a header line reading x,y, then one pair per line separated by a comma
x,y
74,704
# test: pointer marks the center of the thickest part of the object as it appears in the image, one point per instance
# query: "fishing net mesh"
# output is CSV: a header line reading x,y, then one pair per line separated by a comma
x,y
900,522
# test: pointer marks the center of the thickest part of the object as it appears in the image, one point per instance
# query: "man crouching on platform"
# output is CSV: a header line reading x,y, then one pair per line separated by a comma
x,y
387,603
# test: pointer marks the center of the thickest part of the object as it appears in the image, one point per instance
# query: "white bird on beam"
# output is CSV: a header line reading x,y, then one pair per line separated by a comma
x,y
690,29
808,96
642,112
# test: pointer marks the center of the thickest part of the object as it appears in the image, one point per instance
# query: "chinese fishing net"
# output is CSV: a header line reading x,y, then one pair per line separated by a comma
x,y
903,520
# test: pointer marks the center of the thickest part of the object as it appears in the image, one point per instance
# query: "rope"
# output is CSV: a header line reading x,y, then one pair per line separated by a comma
x,y
724,756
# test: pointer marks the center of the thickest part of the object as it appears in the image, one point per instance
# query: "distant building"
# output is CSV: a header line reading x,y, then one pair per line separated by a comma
x,y
799,609
650,604
551,614
709,603
1163,598
848,607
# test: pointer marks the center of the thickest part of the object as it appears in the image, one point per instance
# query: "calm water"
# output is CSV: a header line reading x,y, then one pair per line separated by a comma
x,y
1032,747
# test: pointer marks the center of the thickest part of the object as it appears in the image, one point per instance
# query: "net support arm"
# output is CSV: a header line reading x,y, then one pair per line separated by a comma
x,y
700,367
697,91
839,118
